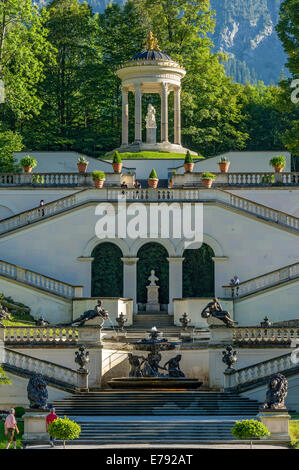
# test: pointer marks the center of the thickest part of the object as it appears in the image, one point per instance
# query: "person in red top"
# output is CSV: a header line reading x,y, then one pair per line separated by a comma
x,y
49,419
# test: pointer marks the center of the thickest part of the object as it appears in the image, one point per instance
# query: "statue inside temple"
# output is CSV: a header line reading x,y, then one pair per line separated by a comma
x,y
151,117
215,310
98,311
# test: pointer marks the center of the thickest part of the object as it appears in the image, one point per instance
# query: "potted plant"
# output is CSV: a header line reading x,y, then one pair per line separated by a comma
x,y
224,164
207,179
64,429
28,163
98,178
153,179
249,429
188,164
170,180
117,163
82,164
278,163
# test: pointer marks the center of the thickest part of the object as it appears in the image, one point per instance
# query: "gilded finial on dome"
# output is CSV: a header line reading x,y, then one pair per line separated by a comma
x,y
151,43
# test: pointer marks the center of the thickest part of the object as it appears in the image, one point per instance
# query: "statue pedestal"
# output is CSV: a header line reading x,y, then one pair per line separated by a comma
x,y
89,335
152,299
151,135
35,430
277,422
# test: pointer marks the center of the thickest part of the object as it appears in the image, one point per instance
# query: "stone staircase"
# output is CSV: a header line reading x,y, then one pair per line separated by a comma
x,y
148,320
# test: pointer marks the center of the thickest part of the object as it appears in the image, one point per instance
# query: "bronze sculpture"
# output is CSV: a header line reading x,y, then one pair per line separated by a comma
x,y
229,357
215,310
276,393
185,320
82,358
135,365
37,392
174,369
98,311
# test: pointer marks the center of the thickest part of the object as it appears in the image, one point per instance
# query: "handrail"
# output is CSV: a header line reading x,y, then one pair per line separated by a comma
x,y
40,335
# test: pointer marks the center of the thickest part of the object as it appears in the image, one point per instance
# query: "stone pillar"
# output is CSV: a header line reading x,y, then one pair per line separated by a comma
x,y
83,380
130,280
175,281
229,379
164,113
177,116
221,335
85,270
138,113
35,430
125,117
277,423
219,270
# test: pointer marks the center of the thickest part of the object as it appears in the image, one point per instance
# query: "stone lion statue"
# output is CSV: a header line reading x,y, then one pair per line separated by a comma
x,y
276,393
37,392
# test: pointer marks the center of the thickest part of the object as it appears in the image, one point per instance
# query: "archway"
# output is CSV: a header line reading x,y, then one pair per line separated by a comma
x,y
107,271
198,272
152,256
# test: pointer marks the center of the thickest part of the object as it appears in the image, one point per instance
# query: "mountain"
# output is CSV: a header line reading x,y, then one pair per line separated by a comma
x,y
245,31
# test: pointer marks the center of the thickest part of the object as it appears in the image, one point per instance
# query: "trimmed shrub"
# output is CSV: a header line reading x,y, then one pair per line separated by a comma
x,y
116,157
98,175
64,429
279,161
19,411
250,429
153,175
208,176
28,161
82,160
188,157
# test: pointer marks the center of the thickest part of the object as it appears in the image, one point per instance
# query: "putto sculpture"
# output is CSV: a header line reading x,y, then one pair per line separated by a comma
x,y
37,392
121,320
82,358
98,311
4,314
229,357
214,309
276,393
185,320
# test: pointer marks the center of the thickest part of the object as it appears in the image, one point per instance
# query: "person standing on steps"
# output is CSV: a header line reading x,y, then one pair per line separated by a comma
x,y
49,419
10,429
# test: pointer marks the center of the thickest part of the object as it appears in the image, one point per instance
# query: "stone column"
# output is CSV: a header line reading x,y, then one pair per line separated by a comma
x,y
164,113
130,280
125,117
175,281
177,116
138,113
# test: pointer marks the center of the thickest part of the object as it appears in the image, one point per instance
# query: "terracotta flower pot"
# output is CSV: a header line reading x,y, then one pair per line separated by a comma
x,y
153,182
224,166
82,167
117,167
278,169
207,183
170,184
98,183
189,167
27,169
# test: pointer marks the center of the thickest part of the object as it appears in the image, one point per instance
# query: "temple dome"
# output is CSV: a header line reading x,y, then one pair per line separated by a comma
x,y
151,55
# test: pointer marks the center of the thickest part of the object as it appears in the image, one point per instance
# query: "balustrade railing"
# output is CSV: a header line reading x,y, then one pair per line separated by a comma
x,y
54,374
287,273
39,336
265,335
39,280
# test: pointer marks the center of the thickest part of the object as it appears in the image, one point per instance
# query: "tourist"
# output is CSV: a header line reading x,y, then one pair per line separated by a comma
x,y
11,427
49,419
41,204
137,185
235,283
124,185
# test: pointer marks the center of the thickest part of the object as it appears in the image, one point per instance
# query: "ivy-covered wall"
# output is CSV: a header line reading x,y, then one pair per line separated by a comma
x,y
198,272
107,271
152,256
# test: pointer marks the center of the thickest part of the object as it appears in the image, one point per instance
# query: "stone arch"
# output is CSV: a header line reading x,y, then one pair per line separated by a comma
x,y
208,240
167,244
107,270
199,272
6,212
152,255
95,241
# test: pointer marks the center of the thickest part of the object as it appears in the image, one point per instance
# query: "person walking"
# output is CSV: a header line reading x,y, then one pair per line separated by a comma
x,y
49,419
10,429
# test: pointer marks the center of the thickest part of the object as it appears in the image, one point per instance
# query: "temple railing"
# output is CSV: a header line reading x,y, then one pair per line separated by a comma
x,y
39,281
40,336
259,283
258,374
149,195
55,375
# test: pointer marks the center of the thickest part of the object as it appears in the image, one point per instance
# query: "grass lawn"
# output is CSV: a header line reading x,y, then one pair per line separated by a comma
x,y
19,319
151,155
294,431
3,438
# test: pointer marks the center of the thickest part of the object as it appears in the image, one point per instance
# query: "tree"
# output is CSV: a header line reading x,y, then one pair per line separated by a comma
x,y
64,429
4,380
249,429
10,142
288,32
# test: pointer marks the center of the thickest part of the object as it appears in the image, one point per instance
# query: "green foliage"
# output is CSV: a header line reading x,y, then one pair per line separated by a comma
x,y
10,142
107,271
288,32
19,411
28,162
3,438
279,161
116,157
294,433
188,158
208,176
4,380
152,256
223,160
153,175
151,155
82,160
98,175
249,429
64,429
198,272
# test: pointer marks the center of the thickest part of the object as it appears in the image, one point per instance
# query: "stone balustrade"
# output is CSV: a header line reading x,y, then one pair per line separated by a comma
x,y
258,283
238,179
46,180
40,336
254,336
39,280
149,195
54,374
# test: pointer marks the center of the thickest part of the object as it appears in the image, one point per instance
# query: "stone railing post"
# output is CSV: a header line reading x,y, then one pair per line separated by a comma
x,y
221,335
82,382
229,379
89,335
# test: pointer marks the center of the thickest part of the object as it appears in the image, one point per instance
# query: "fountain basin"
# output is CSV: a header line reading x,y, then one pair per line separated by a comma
x,y
154,383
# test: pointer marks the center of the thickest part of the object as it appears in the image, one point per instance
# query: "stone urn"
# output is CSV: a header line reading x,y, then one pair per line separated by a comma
x,y
223,166
117,167
82,167
188,167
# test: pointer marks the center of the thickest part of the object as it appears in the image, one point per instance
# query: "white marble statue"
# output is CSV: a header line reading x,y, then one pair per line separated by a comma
x,y
153,278
151,117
